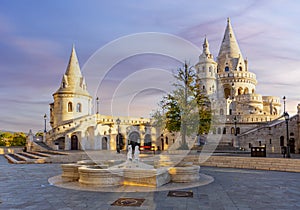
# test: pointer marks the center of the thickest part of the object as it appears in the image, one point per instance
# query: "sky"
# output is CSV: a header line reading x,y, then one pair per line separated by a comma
x,y
37,37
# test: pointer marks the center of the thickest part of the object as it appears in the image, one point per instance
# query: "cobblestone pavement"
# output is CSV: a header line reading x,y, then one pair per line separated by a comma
x,y
27,187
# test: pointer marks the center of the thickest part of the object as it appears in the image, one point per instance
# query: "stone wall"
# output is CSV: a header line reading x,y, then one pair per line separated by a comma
x,y
273,164
8,150
270,135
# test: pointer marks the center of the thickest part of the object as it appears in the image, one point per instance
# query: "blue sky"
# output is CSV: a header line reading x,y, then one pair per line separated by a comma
x,y
37,36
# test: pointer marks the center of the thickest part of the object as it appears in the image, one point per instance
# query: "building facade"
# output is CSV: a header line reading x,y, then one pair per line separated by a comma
x,y
74,127
248,118
244,117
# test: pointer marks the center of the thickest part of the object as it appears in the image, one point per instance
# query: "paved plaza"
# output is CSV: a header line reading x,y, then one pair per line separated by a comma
x,y
26,186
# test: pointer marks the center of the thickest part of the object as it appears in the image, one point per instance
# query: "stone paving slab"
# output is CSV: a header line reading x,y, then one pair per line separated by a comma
x,y
27,187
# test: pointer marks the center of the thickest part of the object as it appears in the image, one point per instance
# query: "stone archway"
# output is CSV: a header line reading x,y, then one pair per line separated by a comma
x,y
134,139
227,93
74,142
147,140
104,143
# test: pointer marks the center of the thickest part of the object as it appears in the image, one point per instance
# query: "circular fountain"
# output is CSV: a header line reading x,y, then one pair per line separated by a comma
x,y
128,175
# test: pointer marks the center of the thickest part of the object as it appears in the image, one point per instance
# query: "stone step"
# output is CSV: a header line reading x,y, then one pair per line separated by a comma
x,y
43,145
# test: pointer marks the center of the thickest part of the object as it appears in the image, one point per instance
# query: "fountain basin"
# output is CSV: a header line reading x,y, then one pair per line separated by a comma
x,y
146,177
184,174
70,172
100,176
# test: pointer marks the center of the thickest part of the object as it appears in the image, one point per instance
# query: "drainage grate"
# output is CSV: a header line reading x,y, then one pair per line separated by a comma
x,y
128,202
180,194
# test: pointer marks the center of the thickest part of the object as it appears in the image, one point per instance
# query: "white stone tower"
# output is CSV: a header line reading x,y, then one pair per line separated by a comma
x,y
232,68
71,100
207,70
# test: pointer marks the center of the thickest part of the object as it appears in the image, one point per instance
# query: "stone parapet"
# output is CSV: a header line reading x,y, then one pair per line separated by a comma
x,y
273,164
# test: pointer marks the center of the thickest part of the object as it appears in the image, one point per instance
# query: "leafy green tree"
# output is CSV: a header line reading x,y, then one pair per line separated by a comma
x,y
2,142
39,134
18,139
186,108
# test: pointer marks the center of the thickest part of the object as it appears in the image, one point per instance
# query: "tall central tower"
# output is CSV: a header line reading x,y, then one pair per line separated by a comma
x,y
232,68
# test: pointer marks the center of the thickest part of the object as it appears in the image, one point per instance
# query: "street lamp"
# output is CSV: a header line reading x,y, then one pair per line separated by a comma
x,y
235,121
45,128
118,136
287,117
284,100
235,133
97,101
45,119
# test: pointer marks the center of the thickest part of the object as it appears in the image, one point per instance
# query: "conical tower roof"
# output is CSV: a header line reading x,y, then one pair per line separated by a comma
x,y
229,53
73,81
206,55
73,68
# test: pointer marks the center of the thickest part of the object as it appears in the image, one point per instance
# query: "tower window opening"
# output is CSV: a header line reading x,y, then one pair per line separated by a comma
x,y
78,107
232,130
221,112
70,107
240,68
226,68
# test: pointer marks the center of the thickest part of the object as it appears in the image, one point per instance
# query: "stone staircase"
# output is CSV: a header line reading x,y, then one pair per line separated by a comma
x,y
32,157
42,145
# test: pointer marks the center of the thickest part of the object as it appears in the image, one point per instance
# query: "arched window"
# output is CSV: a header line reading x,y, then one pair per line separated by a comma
x,y
226,68
78,107
224,130
237,130
240,68
281,141
221,112
232,130
240,91
70,107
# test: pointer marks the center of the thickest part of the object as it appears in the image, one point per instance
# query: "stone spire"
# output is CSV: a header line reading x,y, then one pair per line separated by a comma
x,y
73,81
206,46
230,54
205,53
73,68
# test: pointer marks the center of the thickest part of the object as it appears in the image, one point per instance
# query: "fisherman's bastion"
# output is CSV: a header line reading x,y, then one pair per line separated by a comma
x,y
248,118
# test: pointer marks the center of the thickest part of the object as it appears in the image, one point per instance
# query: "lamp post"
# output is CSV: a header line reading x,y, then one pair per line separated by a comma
x,y
97,101
45,119
235,133
287,117
284,100
45,128
118,135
